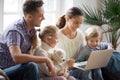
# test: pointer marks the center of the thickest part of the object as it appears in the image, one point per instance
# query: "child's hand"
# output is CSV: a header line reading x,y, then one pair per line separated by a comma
x,y
66,74
71,62
61,73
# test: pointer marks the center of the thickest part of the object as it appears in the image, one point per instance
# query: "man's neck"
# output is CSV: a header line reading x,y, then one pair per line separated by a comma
x,y
29,26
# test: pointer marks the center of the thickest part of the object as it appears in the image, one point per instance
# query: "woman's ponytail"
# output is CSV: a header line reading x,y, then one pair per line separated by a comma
x,y
61,22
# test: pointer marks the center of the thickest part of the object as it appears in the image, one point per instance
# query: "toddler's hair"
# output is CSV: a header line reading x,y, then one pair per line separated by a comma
x,y
92,32
49,30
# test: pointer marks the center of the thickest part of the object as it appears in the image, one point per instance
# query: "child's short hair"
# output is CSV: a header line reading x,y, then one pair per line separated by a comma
x,y
92,32
49,30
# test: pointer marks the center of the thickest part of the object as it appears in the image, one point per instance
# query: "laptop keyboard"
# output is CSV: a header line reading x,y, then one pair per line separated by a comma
x,y
82,66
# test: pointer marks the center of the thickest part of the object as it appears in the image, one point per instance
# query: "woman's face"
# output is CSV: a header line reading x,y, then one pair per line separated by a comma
x,y
74,23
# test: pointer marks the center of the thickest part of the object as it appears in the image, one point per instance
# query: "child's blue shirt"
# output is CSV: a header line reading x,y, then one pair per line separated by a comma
x,y
84,53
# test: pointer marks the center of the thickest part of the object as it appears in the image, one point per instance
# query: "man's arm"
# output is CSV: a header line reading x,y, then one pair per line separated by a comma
x,y
20,58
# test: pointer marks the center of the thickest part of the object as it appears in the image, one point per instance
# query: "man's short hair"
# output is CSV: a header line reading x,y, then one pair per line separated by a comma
x,y
30,6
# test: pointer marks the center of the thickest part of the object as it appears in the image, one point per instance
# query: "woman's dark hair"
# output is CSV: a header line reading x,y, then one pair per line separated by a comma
x,y
72,12
31,6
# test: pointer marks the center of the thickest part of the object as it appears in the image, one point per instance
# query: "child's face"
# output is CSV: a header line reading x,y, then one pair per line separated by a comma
x,y
52,40
93,42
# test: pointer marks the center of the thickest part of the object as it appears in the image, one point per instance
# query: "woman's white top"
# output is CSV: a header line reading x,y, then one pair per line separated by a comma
x,y
71,46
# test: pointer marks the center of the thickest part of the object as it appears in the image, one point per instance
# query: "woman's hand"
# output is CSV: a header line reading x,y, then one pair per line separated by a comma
x,y
50,66
71,62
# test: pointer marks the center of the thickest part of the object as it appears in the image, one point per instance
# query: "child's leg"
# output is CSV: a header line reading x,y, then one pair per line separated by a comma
x,y
80,74
54,78
97,74
71,78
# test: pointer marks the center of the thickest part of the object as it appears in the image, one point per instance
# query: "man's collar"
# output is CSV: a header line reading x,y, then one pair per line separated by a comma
x,y
23,24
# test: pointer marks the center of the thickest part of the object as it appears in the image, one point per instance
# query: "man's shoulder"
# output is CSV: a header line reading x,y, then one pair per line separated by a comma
x,y
17,26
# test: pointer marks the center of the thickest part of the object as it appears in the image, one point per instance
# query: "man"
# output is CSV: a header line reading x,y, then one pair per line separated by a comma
x,y
16,42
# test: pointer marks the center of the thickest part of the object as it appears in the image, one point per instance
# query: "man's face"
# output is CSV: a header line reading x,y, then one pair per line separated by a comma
x,y
38,16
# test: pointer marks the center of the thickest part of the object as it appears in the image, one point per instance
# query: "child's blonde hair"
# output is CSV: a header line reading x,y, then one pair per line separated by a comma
x,y
49,30
92,32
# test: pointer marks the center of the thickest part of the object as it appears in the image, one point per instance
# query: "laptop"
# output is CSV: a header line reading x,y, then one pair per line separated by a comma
x,y
97,59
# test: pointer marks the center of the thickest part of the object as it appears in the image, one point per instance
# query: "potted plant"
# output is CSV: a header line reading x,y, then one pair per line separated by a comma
x,y
107,17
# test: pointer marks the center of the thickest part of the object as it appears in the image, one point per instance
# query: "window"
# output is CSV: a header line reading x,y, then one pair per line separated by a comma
x,y
51,12
12,11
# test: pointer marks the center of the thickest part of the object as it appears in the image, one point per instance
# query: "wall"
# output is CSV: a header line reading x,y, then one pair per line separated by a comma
x,y
63,6
91,3
1,16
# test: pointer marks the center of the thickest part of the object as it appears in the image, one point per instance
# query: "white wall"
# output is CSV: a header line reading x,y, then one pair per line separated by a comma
x,y
1,16
66,5
91,3
63,6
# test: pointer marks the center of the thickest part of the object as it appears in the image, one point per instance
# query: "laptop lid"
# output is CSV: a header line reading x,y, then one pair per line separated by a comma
x,y
97,59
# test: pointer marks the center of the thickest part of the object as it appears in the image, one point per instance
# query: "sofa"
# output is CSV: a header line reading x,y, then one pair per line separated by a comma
x,y
112,70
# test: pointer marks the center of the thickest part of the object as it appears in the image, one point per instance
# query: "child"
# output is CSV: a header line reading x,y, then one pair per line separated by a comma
x,y
93,37
49,38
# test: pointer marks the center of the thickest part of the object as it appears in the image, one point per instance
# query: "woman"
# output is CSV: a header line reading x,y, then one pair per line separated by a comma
x,y
72,39
16,42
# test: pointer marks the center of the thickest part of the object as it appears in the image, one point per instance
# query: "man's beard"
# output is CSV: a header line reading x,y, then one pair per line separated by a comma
x,y
37,25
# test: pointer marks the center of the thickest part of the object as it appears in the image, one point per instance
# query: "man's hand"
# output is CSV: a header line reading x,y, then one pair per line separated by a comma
x,y
50,66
